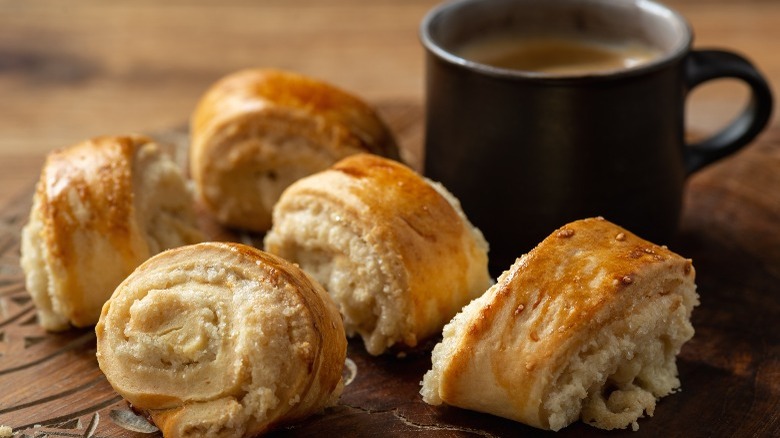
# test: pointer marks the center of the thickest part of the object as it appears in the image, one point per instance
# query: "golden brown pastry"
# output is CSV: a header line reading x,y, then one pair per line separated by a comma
x,y
256,131
393,249
101,208
222,340
586,325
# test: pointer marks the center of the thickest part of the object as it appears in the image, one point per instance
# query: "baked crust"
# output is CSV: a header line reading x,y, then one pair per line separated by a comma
x,y
586,325
101,207
256,131
394,250
221,339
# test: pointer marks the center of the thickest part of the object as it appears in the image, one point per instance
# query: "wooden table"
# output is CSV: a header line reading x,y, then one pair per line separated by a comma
x,y
73,70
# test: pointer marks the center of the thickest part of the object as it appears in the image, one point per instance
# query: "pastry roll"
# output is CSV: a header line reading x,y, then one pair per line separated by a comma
x,y
101,208
221,340
256,131
586,325
393,249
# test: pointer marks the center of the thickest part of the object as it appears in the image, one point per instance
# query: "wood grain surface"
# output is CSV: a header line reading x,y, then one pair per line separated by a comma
x,y
730,371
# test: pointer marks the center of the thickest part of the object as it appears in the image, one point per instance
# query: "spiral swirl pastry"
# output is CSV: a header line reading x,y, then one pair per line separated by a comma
x,y
586,326
221,340
101,208
394,250
256,131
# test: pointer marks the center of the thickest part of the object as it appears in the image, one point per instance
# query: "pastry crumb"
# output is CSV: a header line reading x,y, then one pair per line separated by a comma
x,y
6,432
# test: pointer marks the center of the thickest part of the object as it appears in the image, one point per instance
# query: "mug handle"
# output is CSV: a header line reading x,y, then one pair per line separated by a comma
x,y
705,65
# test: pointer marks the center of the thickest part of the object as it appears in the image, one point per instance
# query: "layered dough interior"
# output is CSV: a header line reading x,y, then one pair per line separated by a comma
x,y
248,162
330,245
617,375
101,208
163,202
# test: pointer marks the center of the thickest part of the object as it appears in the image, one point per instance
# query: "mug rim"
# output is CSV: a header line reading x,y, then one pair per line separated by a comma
x,y
679,51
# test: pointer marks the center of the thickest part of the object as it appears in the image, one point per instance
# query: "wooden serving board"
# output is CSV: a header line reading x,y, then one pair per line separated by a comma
x,y
50,384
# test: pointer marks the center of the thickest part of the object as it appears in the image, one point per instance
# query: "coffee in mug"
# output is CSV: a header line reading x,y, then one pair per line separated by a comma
x,y
528,148
553,54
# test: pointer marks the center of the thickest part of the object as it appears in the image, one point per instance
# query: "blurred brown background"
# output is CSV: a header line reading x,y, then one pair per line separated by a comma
x,y
73,70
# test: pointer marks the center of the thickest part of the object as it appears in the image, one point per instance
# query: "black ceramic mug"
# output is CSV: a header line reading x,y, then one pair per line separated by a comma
x,y
528,151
